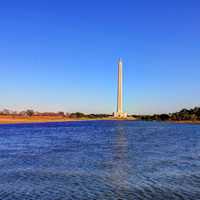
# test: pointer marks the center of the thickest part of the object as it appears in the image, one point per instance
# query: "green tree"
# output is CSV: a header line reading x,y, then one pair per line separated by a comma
x,y
29,112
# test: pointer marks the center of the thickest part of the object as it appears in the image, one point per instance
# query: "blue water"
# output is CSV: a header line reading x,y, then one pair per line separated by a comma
x,y
100,160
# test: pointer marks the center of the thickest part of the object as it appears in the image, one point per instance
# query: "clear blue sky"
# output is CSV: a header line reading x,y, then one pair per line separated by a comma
x,y
61,55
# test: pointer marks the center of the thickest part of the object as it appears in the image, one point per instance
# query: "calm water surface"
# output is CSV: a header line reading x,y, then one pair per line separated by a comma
x,y
100,160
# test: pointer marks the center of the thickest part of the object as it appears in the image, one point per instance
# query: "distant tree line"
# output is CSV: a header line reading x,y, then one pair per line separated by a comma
x,y
30,112
82,115
183,115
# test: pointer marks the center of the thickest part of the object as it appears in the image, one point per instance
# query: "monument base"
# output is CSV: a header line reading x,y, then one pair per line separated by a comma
x,y
120,115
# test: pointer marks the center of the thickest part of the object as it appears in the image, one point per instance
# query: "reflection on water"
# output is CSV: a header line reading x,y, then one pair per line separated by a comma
x,y
100,160
119,161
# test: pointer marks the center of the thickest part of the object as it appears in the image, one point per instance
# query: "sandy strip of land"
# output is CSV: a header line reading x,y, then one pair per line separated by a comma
x,y
15,120
9,119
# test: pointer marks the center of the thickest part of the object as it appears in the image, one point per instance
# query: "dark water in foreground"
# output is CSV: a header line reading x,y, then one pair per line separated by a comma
x,y
100,160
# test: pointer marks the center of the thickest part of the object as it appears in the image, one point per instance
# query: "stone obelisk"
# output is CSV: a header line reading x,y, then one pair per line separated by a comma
x,y
119,89
120,113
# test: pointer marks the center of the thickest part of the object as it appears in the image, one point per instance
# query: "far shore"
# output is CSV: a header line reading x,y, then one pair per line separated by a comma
x,y
10,119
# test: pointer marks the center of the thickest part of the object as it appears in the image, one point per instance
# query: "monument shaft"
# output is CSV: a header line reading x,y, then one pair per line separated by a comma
x,y
119,92
120,113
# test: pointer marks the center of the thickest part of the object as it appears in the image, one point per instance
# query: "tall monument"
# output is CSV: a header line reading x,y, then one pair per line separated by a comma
x,y
120,113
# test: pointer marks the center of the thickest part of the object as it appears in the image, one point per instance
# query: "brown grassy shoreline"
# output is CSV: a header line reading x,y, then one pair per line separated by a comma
x,y
41,119
12,119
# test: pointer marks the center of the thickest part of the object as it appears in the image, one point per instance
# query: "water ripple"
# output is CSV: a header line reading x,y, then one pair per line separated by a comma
x,y
100,160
